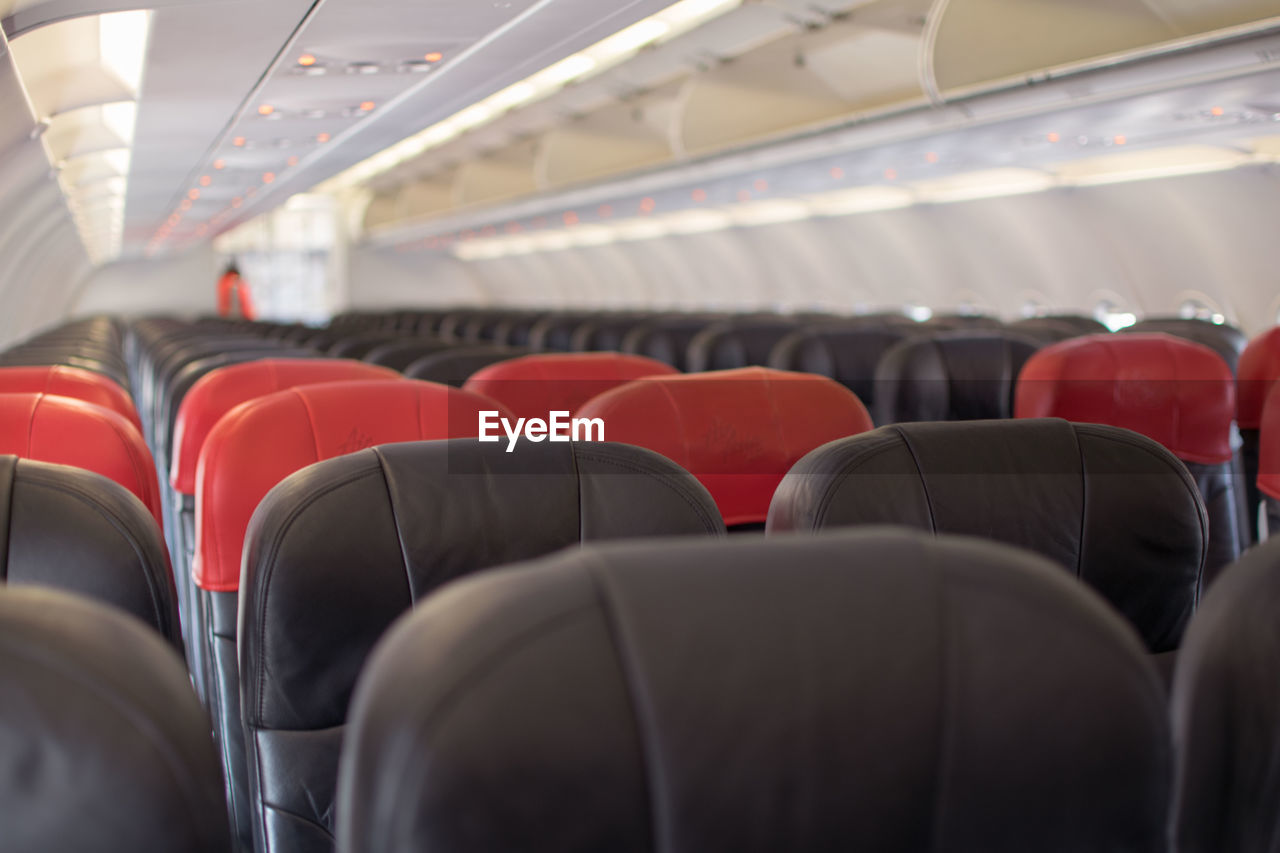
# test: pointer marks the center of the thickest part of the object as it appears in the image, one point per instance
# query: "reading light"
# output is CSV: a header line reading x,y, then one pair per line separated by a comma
x,y
306,60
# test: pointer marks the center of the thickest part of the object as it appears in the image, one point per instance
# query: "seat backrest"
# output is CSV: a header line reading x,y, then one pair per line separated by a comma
x,y
428,512
1112,507
847,354
63,381
667,338
455,366
950,376
1180,393
72,432
737,431
862,691
740,342
1226,713
1052,328
1224,339
1259,368
77,531
103,745
401,354
221,390
259,443
534,385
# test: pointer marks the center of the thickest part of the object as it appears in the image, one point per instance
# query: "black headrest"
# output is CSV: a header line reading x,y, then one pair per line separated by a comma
x,y
1226,712
554,332
77,531
103,745
952,376
847,354
1227,341
357,346
400,354
866,691
667,338
336,552
740,342
1113,507
455,366
1058,327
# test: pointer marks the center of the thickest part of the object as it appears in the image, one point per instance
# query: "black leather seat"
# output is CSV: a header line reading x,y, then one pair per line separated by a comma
x,y
1226,713
103,746
950,376
554,332
74,530
738,342
605,333
848,355
1052,328
398,355
667,338
1113,507
339,550
1224,339
358,346
872,691
455,366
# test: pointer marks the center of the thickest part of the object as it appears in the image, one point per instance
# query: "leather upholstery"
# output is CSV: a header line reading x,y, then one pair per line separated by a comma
x,y
950,376
1258,370
398,355
533,385
455,366
220,391
429,512
848,355
248,452
72,432
1114,508
103,746
667,338
739,342
737,431
1268,460
1169,389
861,691
1226,340
63,381
74,530
1057,327
1226,713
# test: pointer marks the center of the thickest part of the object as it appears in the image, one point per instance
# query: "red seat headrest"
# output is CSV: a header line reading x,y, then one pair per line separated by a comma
x,y
49,428
221,390
737,431
74,382
259,443
531,386
1259,367
1269,444
1169,389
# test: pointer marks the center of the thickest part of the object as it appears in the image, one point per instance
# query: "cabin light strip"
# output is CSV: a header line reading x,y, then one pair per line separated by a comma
x,y
967,186
608,53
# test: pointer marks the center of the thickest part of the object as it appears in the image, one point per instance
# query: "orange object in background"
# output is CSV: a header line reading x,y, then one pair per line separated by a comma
x,y
233,288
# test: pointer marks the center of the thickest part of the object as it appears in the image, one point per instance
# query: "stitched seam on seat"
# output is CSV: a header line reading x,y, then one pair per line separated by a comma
x,y
651,762
924,485
395,522
577,483
7,521
311,422
839,477
637,467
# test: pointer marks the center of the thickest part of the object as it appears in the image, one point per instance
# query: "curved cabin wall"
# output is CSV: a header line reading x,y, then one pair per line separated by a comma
x,y
1142,245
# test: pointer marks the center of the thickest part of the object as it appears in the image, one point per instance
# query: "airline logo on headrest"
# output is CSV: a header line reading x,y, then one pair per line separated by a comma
x,y
558,427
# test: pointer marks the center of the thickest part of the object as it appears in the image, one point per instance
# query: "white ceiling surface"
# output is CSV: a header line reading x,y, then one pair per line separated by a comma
x,y
41,257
